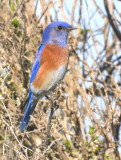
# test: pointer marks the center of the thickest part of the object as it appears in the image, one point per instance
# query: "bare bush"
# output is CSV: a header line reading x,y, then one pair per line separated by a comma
x,y
87,123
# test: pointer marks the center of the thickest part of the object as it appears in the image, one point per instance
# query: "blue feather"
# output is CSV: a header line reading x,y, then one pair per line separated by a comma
x,y
36,64
32,99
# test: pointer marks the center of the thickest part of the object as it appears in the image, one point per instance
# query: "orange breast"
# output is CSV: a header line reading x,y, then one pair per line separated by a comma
x,y
54,55
52,58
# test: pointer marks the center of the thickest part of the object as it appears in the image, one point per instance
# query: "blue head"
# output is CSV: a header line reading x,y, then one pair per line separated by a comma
x,y
56,33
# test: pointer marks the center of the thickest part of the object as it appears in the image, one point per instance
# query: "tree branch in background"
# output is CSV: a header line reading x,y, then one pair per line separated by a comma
x,y
111,21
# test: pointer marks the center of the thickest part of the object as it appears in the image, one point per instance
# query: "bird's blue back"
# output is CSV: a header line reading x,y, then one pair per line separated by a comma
x,y
31,98
36,64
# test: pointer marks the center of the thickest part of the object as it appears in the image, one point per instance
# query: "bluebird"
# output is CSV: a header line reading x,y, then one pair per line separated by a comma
x,y
49,67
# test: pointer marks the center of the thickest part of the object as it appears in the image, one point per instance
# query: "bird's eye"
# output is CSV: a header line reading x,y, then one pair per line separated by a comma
x,y
59,27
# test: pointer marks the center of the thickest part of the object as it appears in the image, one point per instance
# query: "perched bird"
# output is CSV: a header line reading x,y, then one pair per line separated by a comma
x,y
49,67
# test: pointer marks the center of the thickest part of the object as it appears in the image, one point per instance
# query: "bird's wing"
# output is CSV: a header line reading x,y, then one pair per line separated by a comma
x,y
32,100
36,64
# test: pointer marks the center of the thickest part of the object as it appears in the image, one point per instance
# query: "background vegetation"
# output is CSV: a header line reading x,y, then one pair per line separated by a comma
x,y
86,126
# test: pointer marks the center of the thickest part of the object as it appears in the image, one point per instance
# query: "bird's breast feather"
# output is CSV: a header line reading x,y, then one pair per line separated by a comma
x,y
54,60
48,80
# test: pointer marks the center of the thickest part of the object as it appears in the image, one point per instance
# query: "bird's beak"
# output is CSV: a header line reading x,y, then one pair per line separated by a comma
x,y
71,28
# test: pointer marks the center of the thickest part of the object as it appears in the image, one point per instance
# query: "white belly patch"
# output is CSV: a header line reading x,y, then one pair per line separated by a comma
x,y
51,80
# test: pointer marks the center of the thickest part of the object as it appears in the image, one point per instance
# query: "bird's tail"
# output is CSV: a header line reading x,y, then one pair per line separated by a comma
x,y
32,102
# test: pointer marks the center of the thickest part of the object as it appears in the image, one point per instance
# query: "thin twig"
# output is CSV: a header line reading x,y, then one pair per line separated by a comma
x,y
49,147
36,7
44,11
53,108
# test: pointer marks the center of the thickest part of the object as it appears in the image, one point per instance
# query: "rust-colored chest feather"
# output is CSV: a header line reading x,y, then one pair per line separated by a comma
x,y
54,56
53,64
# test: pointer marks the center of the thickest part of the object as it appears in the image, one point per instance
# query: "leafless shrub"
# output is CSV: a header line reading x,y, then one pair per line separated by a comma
x,y
87,123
